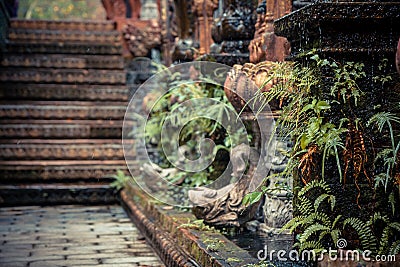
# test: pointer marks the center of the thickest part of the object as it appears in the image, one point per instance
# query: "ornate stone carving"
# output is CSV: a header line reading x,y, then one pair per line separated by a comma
x,y
223,207
238,81
62,61
203,11
235,28
266,45
64,48
61,110
142,36
63,92
278,207
38,36
46,75
69,25
34,171
61,150
63,129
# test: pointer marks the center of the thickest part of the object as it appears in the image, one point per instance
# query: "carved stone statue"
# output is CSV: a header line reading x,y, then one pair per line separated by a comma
x,y
142,36
278,206
118,9
235,28
223,207
266,45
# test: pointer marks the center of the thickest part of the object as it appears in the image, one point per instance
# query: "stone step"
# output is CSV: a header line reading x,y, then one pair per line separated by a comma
x,y
66,35
62,110
80,25
31,91
62,61
81,129
68,171
83,149
64,48
56,193
75,76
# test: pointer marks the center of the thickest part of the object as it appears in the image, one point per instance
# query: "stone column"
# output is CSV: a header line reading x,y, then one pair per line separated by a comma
x,y
233,30
203,11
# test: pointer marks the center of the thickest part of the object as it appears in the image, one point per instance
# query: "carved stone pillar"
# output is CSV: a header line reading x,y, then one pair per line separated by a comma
x,y
266,45
233,30
203,11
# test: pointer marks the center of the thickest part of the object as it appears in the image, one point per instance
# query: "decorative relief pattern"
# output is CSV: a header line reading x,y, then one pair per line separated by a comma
x,y
76,172
38,36
62,151
77,130
42,75
36,111
63,25
63,92
64,48
62,61
142,36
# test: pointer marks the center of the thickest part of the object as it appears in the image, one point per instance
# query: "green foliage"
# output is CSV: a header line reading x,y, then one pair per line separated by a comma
x,y
317,226
213,244
169,108
61,9
389,156
197,225
121,180
261,264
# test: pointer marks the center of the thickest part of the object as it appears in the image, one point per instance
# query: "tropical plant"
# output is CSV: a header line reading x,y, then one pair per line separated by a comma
x,y
169,108
121,180
317,226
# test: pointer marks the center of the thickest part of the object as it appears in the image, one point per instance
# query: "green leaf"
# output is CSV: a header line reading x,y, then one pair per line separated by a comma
x,y
252,198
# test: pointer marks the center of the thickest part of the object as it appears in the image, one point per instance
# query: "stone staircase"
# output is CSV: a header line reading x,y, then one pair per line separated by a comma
x,y
63,96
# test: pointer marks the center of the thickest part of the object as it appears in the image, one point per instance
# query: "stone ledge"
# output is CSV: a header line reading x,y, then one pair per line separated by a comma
x,y
179,246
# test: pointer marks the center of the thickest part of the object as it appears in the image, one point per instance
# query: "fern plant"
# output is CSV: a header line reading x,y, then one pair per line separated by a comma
x,y
318,229
121,180
389,155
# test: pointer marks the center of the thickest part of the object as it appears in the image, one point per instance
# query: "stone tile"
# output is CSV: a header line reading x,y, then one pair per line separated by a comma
x,y
71,236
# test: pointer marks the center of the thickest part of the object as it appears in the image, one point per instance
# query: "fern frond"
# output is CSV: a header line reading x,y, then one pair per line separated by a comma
x,y
314,184
321,198
335,235
305,207
395,226
384,242
318,217
377,216
292,224
368,240
336,221
395,248
313,229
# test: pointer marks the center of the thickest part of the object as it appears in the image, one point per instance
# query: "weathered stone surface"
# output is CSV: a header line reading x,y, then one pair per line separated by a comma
x,y
179,246
31,236
32,91
79,25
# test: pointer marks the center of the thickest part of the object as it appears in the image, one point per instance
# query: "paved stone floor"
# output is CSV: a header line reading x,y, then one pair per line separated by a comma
x,y
71,236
